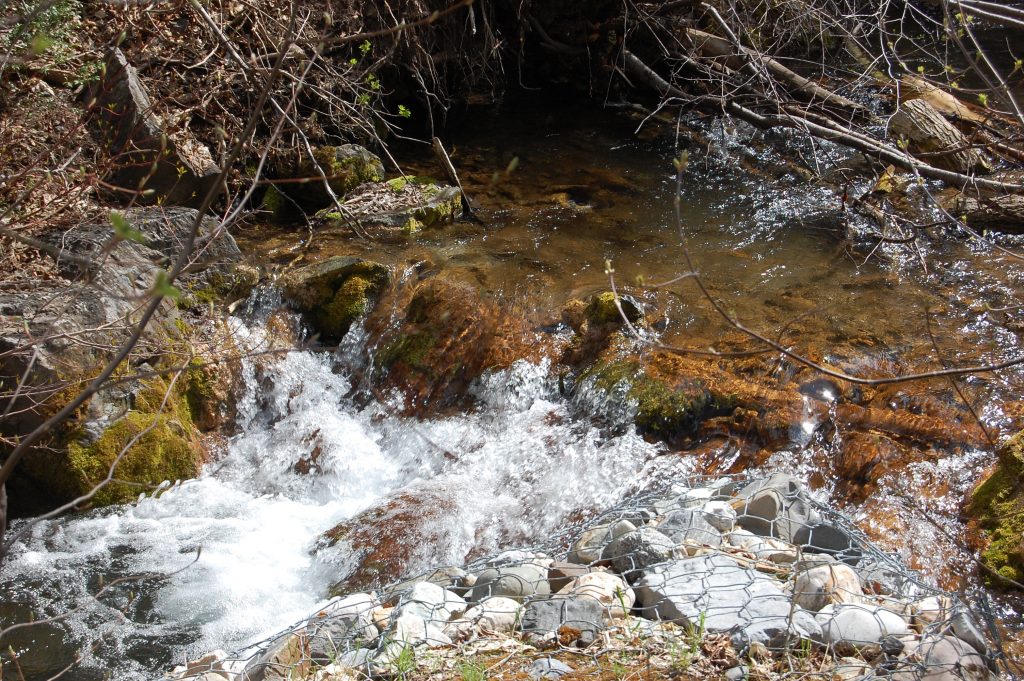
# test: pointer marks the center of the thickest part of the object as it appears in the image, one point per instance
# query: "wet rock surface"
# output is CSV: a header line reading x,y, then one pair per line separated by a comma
x,y
728,600
82,318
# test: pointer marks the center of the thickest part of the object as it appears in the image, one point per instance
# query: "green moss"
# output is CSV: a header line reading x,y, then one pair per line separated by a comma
x,y
411,350
602,310
998,504
200,389
336,292
665,410
158,444
350,302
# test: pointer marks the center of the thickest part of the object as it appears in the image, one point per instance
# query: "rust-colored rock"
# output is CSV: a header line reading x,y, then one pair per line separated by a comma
x,y
448,336
389,540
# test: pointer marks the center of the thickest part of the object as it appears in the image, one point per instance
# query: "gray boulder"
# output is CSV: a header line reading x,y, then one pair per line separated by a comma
x,y
940,658
582,619
333,637
149,166
777,506
689,526
850,627
588,548
713,591
517,582
638,549
431,603
548,668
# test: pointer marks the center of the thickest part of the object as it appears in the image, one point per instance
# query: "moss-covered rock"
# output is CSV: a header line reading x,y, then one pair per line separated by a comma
x,y
301,187
336,292
601,309
669,407
998,506
157,437
403,205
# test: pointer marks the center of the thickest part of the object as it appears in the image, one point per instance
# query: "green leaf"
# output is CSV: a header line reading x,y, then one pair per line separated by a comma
x,y
162,286
365,47
982,99
403,111
123,229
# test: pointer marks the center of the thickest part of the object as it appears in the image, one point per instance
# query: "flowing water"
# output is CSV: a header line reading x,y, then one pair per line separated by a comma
x,y
225,560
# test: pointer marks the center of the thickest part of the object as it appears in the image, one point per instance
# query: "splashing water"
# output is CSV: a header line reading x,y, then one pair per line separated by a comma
x,y
515,468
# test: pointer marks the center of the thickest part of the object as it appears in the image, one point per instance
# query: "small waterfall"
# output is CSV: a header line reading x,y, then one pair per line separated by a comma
x,y
307,457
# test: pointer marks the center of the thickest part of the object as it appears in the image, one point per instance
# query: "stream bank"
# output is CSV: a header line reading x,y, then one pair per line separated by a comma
x,y
489,396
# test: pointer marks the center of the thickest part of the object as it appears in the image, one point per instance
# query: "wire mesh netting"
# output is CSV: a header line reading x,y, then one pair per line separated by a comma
x,y
735,577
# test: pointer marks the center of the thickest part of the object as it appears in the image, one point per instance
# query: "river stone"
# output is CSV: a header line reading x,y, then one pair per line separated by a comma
x,y
588,548
517,582
720,515
940,658
358,605
431,603
848,627
828,539
763,548
495,614
548,668
929,610
821,585
561,573
689,526
337,634
285,658
454,579
727,598
608,589
777,506
413,630
966,628
638,549
335,292
563,619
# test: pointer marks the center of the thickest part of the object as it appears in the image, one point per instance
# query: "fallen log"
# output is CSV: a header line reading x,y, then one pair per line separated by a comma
x,y
635,68
927,132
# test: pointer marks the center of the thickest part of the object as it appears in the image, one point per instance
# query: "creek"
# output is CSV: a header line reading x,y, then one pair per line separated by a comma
x,y
240,542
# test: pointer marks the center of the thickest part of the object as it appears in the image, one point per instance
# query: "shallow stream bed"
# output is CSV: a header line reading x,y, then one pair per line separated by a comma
x,y
777,250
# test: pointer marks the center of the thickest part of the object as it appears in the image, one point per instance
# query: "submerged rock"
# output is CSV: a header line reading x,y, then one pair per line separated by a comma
x,y
447,338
